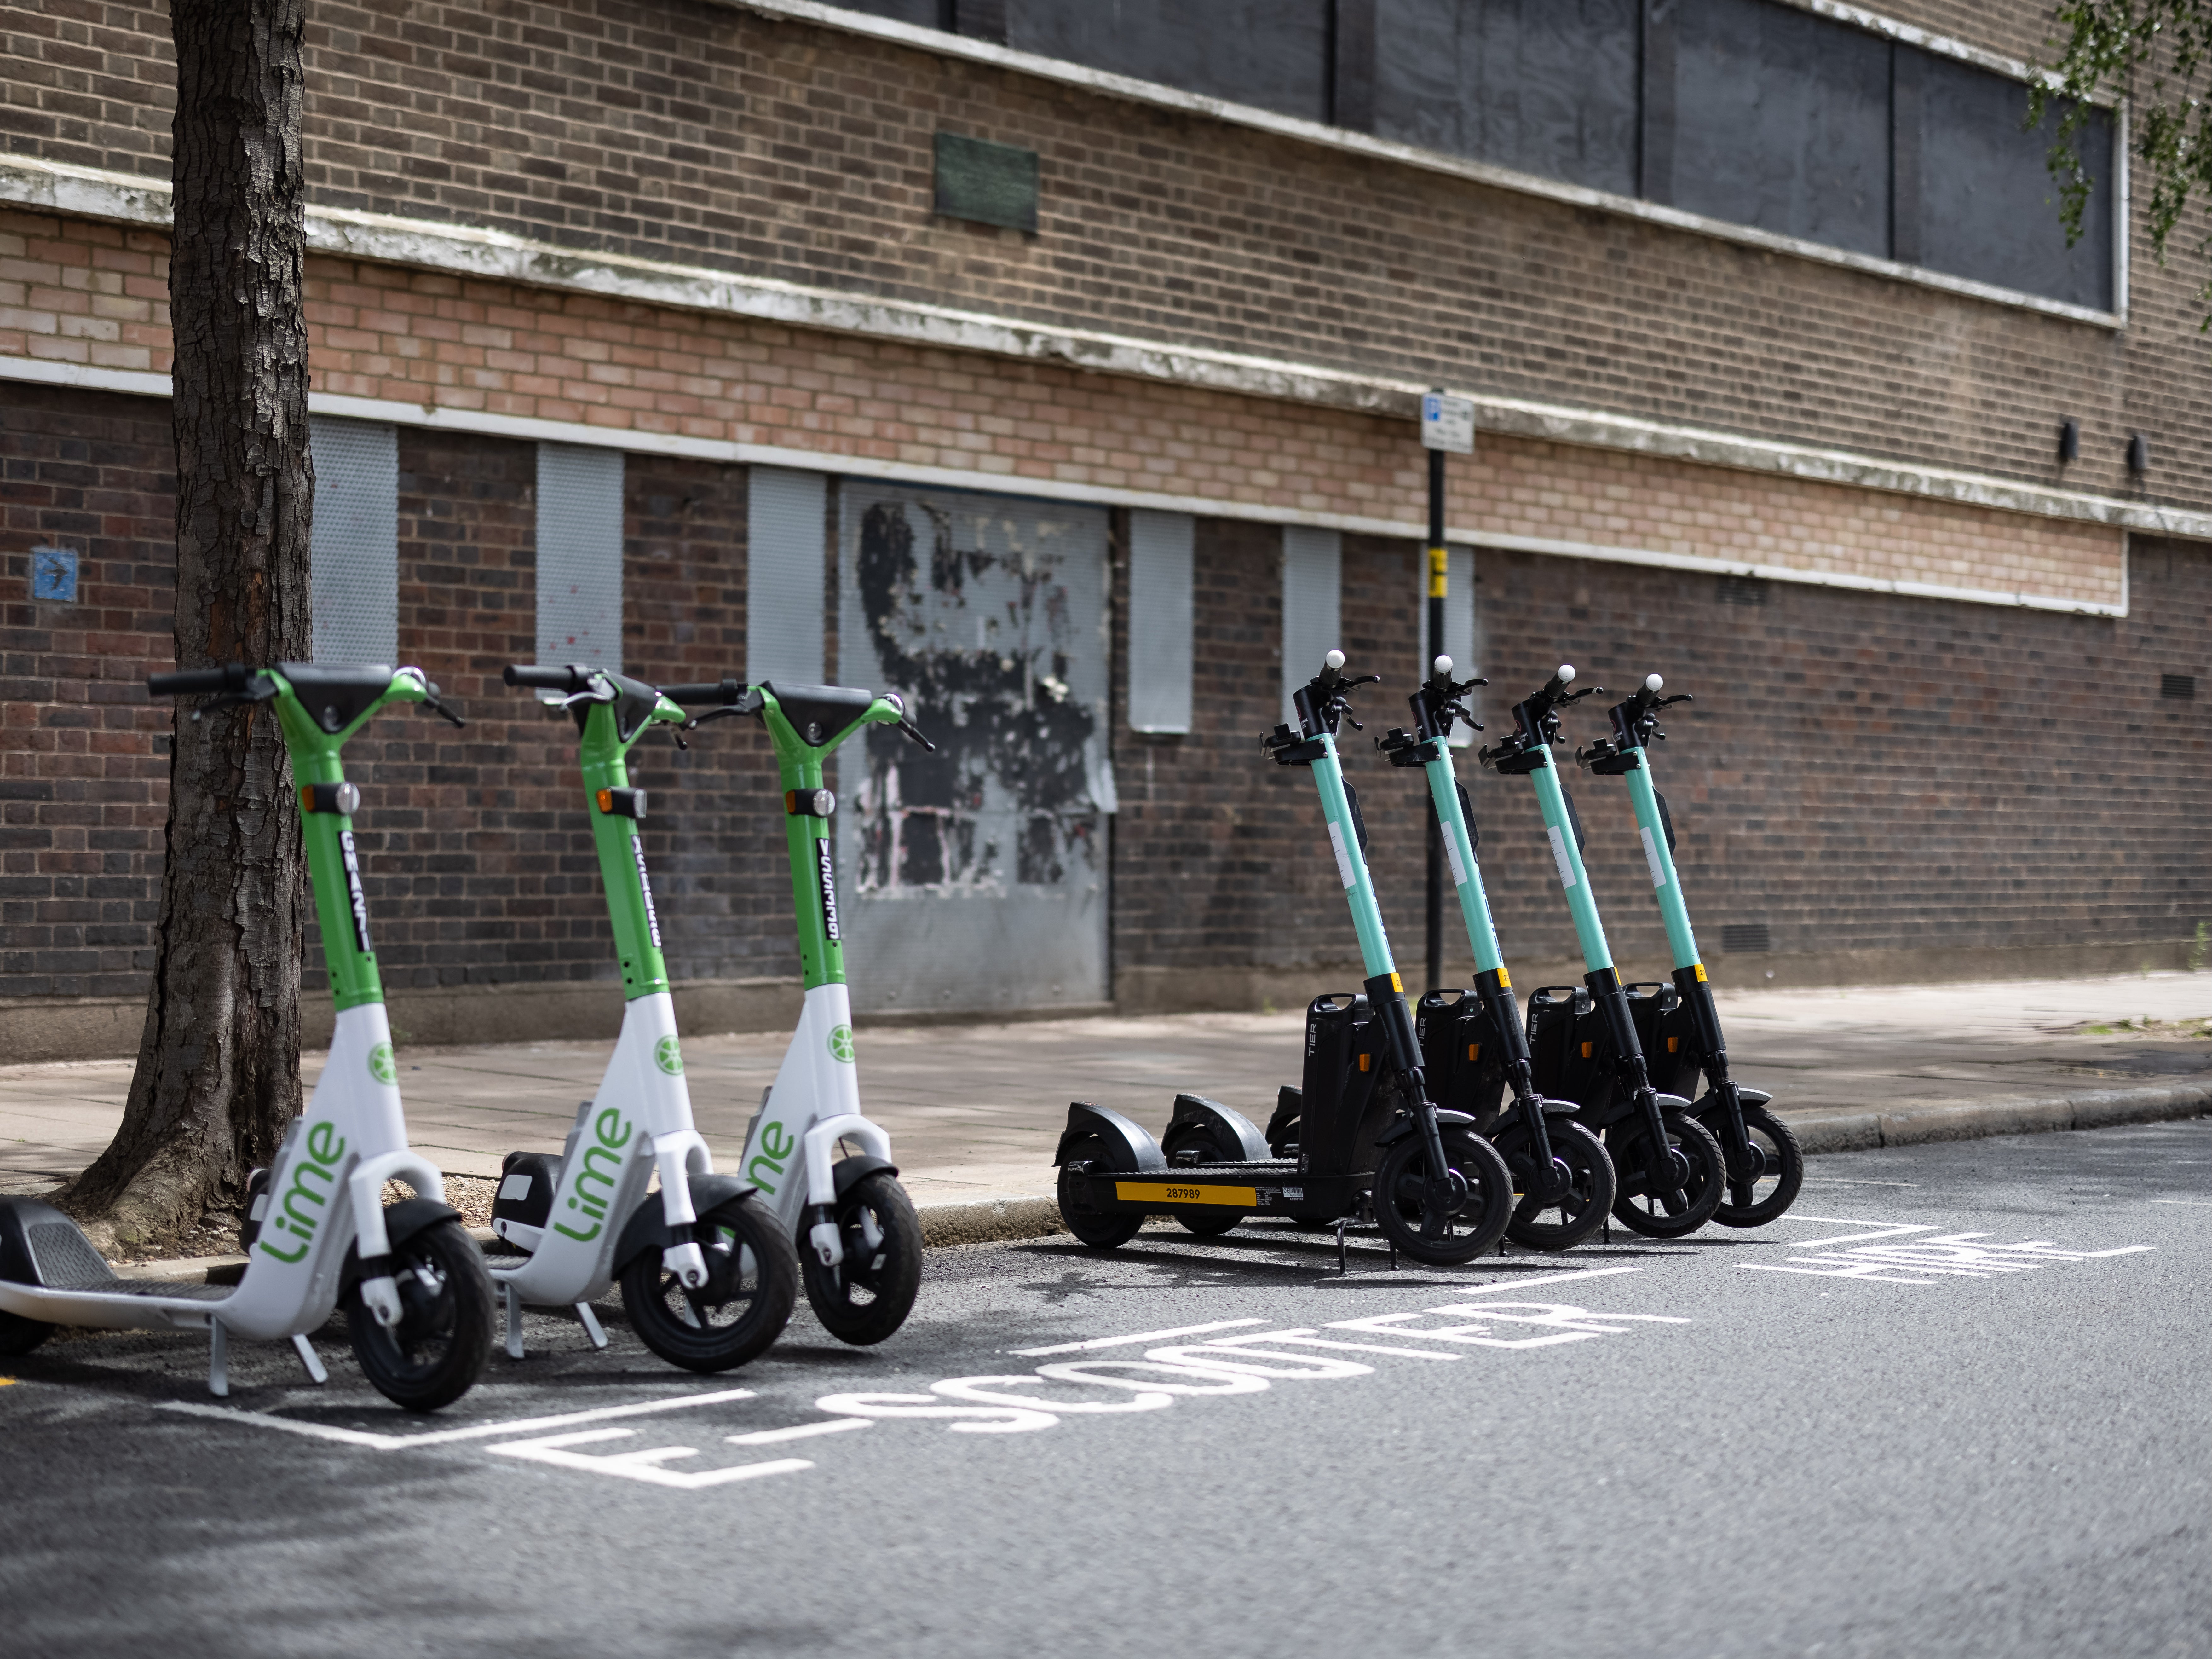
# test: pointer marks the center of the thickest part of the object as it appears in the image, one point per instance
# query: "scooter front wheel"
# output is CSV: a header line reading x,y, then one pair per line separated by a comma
x,y
752,1280
1782,1170
1563,1221
868,1295
1643,1210
19,1335
1402,1198
436,1351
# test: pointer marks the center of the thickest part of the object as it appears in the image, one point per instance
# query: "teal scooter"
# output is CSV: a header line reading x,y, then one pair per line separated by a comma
x,y
1362,1132
1765,1166
1582,1040
1473,1049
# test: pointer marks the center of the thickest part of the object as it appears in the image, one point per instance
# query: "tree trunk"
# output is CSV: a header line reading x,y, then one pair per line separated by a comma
x,y
218,1065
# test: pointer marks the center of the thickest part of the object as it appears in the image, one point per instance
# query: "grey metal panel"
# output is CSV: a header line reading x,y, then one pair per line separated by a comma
x,y
786,570
1160,616
976,878
1459,623
922,14
1989,206
355,548
1782,121
1273,53
1313,604
1546,86
580,556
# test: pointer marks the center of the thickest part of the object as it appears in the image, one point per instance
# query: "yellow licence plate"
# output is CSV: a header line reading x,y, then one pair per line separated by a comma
x,y
1168,1192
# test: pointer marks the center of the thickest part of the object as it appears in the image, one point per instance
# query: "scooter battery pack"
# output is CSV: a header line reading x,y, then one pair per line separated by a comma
x,y
1569,1051
1667,1032
526,1181
1462,1056
1346,1047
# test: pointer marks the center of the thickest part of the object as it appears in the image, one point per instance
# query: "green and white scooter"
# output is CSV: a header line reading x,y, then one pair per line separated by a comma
x,y
1583,1042
708,1277
858,1237
319,1235
1361,1133
1473,1049
1765,1166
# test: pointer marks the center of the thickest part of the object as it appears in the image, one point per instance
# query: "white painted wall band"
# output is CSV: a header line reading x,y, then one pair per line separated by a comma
x,y
2197,526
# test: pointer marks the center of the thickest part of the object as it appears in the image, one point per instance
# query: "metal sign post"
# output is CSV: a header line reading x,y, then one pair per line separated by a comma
x,y
1447,428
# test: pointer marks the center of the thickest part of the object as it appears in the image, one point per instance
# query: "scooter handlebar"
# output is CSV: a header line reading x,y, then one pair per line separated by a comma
x,y
187,682
572,678
712,694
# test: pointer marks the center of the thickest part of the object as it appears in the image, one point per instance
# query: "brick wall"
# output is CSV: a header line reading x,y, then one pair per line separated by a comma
x,y
1861,771
714,135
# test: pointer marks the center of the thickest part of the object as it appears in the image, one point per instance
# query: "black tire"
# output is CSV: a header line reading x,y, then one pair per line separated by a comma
x,y
1776,1190
1208,1223
19,1335
1582,1211
1101,1230
1639,1212
866,1297
1470,1231
437,1351
740,1309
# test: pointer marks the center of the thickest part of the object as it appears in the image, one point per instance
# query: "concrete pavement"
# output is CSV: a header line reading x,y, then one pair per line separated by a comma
x,y
972,1110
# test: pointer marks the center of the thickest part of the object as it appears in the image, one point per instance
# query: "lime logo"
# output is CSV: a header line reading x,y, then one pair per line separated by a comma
x,y
380,1064
840,1043
667,1056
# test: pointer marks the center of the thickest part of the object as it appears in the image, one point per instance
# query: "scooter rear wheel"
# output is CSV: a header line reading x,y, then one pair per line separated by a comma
x,y
1581,1212
1642,1211
436,1351
752,1280
19,1335
1101,1230
868,1295
1776,1190
1401,1184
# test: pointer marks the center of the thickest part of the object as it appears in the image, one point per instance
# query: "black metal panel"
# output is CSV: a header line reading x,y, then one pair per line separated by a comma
x,y
1547,87
1273,53
992,184
1989,207
1782,121
922,14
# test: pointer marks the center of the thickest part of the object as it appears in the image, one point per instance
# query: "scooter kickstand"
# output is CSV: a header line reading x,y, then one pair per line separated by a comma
x,y
513,1302
590,1324
218,1361
1342,1266
309,1357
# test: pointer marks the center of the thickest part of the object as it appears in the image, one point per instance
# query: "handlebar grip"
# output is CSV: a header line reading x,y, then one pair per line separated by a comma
x,y
570,679
183,681
713,692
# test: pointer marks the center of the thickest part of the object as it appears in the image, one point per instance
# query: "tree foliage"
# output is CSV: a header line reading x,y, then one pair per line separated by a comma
x,y
2152,52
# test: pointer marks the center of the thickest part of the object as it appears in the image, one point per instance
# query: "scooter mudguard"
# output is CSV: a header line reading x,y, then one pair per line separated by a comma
x,y
1230,1126
1406,1126
647,1226
402,1221
40,1245
1754,1097
860,1167
1129,1146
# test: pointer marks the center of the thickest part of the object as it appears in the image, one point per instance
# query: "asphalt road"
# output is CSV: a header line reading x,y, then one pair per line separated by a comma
x,y
1960,1404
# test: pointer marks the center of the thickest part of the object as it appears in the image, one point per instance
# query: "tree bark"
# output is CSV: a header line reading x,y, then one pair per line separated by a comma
x,y
218,1064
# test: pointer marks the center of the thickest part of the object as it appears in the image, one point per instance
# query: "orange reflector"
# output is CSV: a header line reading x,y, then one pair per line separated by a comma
x,y
606,800
1363,1062
1586,1047
1474,1051
1674,1044
307,798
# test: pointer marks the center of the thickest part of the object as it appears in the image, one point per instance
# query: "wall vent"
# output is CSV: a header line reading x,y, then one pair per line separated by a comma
x,y
1742,936
2183,686
1743,590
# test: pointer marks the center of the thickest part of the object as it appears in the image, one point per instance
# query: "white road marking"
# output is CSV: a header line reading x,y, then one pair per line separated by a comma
x,y
1098,1342
447,1437
2199,1203
1547,1278
643,1464
1955,1255
797,1431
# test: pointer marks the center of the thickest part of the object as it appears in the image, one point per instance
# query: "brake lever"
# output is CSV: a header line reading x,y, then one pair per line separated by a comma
x,y
914,731
257,689
434,706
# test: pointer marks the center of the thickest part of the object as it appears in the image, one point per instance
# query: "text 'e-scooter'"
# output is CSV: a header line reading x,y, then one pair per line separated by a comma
x,y
1361,1132
708,1277
858,1237
418,1304
1582,1042
1765,1165
1472,1047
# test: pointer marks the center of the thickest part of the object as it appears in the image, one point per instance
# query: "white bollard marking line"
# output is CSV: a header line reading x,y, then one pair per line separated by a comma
x,y
447,1437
